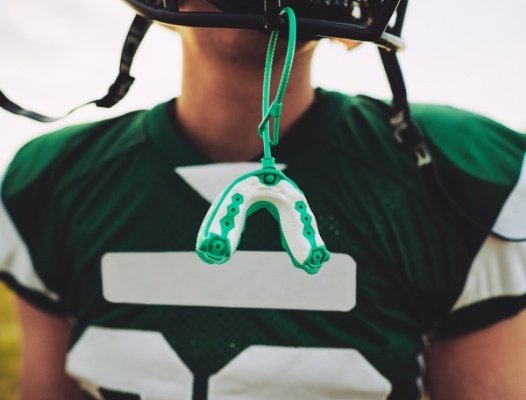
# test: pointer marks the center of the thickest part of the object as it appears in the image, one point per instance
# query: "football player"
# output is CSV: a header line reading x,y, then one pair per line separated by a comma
x,y
422,207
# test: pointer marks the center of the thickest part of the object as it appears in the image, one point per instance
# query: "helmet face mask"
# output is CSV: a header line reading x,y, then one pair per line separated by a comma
x,y
361,20
358,12
358,20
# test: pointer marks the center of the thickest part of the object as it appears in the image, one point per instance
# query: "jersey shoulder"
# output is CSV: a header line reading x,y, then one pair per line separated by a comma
x,y
481,162
449,129
68,152
468,138
32,258
480,166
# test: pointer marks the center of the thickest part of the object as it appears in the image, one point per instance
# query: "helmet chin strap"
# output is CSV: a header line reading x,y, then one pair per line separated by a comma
x,y
167,11
116,91
405,131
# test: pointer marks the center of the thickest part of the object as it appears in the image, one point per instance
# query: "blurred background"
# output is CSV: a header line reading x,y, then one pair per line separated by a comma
x,y
57,54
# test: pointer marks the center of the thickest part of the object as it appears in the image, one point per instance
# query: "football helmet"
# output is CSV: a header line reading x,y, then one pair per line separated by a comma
x,y
376,21
361,20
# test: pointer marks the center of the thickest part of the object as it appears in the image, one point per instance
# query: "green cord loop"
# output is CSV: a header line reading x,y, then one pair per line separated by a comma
x,y
275,109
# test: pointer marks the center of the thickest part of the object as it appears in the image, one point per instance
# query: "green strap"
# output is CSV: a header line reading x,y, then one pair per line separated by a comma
x,y
274,110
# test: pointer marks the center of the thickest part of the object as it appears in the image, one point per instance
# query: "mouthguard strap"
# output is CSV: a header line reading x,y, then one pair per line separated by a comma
x,y
274,110
266,188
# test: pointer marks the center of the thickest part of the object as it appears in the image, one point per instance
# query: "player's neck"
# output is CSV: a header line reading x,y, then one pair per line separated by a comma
x,y
220,105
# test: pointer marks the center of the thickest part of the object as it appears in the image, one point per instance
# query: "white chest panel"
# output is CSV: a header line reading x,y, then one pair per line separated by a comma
x,y
142,363
129,361
285,373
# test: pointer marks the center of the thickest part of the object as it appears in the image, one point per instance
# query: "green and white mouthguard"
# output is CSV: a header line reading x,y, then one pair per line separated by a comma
x,y
266,188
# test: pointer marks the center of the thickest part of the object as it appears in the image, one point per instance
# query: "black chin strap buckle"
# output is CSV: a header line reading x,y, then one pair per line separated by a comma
x,y
272,17
406,131
410,138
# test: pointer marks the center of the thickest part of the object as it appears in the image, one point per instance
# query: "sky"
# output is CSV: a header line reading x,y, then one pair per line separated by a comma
x,y
56,54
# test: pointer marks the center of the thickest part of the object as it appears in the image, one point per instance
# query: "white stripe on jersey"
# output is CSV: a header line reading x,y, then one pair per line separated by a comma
x,y
512,219
250,279
15,259
499,268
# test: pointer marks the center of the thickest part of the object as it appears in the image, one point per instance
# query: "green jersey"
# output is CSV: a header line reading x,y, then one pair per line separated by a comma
x,y
99,222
